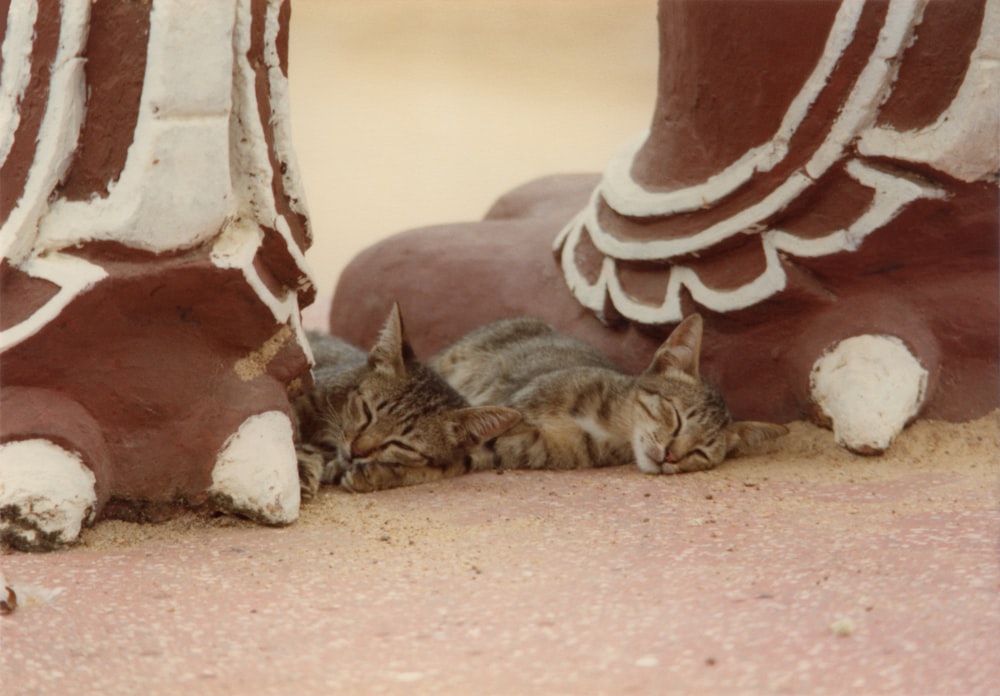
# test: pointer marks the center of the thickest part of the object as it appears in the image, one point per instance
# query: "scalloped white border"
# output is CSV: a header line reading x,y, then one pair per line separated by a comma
x,y
626,197
891,195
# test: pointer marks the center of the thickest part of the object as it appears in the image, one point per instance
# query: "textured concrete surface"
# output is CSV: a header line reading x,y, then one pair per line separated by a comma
x,y
803,570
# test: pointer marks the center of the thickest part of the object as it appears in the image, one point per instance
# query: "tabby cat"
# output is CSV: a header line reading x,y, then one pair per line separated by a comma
x,y
580,410
384,419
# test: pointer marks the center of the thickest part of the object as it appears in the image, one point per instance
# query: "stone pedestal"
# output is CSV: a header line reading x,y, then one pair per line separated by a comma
x,y
153,229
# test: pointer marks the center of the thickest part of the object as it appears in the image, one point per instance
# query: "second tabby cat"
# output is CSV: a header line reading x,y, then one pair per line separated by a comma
x,y
580,410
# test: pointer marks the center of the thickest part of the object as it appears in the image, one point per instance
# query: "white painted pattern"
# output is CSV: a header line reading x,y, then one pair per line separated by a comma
x,y
198,161
73,275
281,121
252,174
628,197
964,141
174,190
57,135
620,192
16,70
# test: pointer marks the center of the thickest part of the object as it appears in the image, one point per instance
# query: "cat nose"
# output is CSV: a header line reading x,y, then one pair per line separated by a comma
x,y
358,449
671,457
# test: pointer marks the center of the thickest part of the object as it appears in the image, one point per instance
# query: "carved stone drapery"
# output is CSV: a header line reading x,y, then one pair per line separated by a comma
x,y
152,229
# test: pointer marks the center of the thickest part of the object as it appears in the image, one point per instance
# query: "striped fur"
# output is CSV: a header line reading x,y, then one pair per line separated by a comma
x,y
384,419
580,410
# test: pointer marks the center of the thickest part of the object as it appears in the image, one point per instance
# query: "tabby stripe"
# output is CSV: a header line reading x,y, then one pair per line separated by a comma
x,y
645,408
605,408
593,450
579,401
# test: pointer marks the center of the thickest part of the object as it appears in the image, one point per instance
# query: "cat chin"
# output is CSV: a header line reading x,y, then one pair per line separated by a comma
x,y
648,465
656,469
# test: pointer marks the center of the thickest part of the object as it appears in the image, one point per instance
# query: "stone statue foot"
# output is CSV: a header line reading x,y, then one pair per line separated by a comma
x,y
47,494
256,473
870,388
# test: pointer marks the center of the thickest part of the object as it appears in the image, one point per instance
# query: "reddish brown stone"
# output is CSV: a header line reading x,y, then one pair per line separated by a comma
x,y
136,343
152,362
118,35
14,171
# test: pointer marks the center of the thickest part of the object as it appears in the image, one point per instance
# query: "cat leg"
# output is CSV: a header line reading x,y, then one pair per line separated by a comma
x,y
311,463
691,464
552,442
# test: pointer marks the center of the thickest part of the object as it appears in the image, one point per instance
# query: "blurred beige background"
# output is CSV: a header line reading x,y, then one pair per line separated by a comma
x,y
414,112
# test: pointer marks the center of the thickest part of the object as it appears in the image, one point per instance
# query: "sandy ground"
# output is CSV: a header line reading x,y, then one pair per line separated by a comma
x,y
953,459
802,570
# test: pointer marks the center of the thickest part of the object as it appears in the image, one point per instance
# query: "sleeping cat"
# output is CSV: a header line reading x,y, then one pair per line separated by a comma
x,y
580,410
384,419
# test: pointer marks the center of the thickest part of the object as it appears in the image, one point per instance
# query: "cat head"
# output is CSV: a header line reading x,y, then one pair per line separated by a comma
x,y
682,422
403,414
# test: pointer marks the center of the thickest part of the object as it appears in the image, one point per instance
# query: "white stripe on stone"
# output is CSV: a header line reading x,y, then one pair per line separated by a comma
x,y
57,134
16,71
174,190
964,141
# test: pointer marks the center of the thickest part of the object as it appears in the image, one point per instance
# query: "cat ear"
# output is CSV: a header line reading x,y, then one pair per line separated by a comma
x,y
681,349
392,349
478,424
744,436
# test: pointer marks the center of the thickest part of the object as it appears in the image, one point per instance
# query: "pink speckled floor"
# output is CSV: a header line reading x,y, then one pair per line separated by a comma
x,y
802,571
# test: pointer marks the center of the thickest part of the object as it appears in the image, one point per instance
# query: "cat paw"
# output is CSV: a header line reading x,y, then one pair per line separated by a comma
x,y
365,478
688,466
684,466
869,388
311,463
361,477
47,494
256,472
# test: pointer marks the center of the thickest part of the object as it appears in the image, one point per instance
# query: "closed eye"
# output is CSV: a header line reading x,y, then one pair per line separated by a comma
x,y
399,445
677,421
